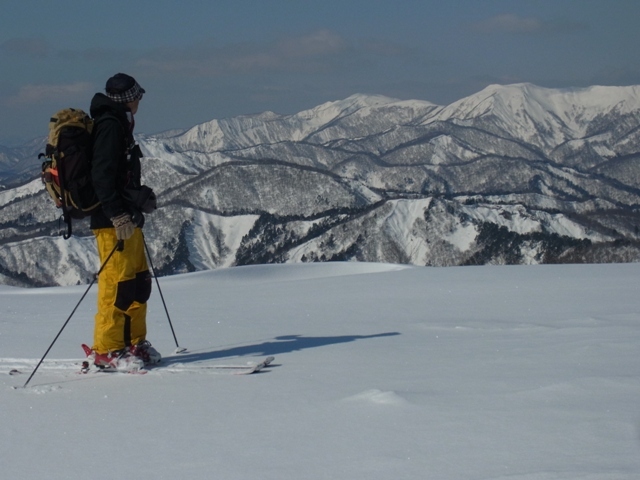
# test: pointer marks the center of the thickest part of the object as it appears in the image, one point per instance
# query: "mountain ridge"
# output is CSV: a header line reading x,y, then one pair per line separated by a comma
x,y
512,174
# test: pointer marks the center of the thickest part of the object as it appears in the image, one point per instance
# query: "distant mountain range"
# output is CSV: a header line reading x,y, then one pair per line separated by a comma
x,y
515,174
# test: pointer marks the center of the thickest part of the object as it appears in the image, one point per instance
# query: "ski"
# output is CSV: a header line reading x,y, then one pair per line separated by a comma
x,y
263,364
235,369
20,366
64,367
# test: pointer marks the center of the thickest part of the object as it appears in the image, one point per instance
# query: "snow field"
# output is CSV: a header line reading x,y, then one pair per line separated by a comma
x,y
381,371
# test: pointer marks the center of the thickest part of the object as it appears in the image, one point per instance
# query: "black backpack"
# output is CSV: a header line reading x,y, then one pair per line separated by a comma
x,y
67,171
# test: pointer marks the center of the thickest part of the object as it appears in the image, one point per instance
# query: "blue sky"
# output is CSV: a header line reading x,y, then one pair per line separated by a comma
x,y
206,59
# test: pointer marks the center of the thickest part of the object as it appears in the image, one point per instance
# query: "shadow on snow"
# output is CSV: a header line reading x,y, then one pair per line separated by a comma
x,y
282,344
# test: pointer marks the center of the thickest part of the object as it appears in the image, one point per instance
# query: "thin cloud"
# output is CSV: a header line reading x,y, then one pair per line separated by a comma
x,y
39,49
515,24
617,76
320,42
34,94
30,47
385,48
310,52
96,54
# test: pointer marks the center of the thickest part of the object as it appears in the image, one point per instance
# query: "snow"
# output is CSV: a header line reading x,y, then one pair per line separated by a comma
x,y
204,250
525,107
32,188
462,237
381,371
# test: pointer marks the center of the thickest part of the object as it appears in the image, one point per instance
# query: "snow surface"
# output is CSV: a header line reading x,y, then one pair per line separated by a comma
x,y
13,194
381,372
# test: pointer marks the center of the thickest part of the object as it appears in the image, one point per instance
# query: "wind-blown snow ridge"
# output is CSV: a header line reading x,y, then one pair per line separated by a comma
x,y
296,273
378,397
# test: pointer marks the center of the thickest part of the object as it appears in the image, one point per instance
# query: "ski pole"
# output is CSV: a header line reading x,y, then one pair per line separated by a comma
x,y
117,247
146,247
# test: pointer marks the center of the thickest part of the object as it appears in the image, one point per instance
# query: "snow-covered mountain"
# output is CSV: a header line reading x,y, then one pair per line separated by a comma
x,y
17,165
512,174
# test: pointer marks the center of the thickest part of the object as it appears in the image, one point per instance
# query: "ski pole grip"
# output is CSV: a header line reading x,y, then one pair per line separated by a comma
x,y
120,245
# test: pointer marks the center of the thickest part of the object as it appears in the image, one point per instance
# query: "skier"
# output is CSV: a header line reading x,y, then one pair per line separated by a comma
x,y
124,286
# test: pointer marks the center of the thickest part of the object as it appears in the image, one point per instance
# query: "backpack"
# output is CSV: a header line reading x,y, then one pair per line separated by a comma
x,y
66,173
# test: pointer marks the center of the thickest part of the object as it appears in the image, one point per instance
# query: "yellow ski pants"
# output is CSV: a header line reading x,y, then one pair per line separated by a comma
x,y
124,286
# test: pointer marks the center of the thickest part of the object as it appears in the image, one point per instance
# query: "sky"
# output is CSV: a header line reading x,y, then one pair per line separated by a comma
x,y
203,60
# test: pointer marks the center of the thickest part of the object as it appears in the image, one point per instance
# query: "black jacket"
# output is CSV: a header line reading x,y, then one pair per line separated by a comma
x,y
115,164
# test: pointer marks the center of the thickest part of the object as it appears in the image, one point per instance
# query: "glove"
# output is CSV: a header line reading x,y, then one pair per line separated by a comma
x,y
150,204
124,226
141,198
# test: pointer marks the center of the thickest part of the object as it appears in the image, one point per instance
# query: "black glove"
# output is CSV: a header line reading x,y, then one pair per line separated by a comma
x,y
142,198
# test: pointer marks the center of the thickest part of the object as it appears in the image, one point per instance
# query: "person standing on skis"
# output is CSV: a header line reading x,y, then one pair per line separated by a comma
x,y
124,286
